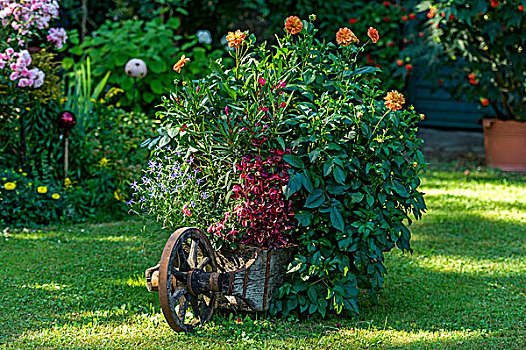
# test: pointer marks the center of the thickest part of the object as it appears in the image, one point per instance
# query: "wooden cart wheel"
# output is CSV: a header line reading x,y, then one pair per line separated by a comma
x,y
187,250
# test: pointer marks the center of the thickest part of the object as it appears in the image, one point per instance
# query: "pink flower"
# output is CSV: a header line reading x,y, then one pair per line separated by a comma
x,y
13,76
23,82
186,211
283,105
262,81
282,84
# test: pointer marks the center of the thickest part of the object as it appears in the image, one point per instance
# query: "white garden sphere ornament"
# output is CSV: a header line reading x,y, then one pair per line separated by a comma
x,y
135,68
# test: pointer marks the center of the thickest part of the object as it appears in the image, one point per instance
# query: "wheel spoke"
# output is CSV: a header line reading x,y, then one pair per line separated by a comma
x,y
192,254
203,263
183,260
183,307
179,276
178,293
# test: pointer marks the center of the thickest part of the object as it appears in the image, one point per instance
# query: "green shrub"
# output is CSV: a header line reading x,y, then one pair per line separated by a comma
x,y
113,44
26,202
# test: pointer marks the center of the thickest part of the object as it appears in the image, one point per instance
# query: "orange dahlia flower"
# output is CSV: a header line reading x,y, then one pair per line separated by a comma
x,y
394,100
236,39
293,25
180,63
345,37
373,34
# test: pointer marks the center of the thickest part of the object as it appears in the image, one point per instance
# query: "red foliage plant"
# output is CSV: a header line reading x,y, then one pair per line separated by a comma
x,y
263,211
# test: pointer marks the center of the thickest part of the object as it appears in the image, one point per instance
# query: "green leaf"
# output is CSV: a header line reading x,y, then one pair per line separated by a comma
x,y
148,97
157,66
121,60
156,86
336,219
67,63
164,141
305,180
293,186
327,167
216,67
370,200
293,160
313,296
356,197
304,218
315,199
281,142
339,175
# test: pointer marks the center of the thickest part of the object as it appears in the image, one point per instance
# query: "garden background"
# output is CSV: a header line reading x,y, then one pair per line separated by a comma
x,y
74,256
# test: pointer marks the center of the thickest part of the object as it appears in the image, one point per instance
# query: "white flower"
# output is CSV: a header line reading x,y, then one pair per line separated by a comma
x,y
204,36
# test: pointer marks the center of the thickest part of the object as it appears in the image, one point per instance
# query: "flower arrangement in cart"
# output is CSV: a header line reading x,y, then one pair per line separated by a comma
x,y
294,144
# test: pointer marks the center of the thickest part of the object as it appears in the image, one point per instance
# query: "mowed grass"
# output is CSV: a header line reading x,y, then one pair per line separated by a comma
x,y
464,287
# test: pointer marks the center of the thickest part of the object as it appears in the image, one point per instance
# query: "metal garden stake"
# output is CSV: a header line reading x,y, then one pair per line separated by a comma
x,y
67,121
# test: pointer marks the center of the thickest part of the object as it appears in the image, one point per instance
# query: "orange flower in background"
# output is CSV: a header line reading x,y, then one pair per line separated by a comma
x,y
236,39
345,37
293,25
484,102
373,34
394,100
180,63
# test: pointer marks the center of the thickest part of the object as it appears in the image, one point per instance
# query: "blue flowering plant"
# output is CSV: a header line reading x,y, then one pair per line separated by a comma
x,y
171,190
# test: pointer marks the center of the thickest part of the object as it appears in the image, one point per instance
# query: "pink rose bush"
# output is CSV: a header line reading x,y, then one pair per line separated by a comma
x,y
18,63
22,21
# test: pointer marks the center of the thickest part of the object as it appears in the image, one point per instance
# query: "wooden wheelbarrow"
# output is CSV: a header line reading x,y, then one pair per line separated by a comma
x,y
191,275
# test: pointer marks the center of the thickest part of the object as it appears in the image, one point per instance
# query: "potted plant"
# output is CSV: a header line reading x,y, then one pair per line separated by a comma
x,y
482,43
294,144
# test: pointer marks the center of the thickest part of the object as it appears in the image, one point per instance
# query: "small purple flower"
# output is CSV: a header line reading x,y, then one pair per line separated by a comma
x,y
130,202
192,204
135,186
197,171
143,199
152,164
199,181
146,180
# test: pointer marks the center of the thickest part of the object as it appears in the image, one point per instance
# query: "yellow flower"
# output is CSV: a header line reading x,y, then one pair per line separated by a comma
x,y
42,189
236,39
24,174
180,64
9,186
30,184
118,195
67,182
394,100
103,162
55,196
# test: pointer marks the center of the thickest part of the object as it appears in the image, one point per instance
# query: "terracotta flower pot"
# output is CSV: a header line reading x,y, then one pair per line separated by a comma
x,y
505,144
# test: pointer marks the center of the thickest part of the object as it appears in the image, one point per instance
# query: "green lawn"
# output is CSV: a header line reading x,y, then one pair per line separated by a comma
x,y
464,287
